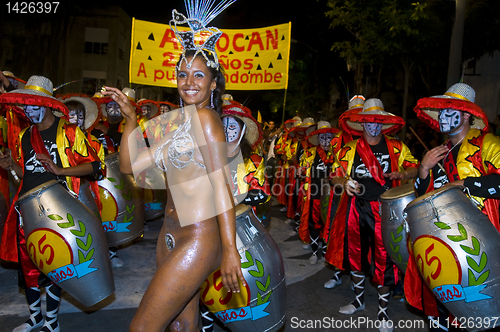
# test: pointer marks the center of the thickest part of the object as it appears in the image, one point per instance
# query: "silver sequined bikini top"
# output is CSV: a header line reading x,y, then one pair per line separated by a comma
x,y
182,145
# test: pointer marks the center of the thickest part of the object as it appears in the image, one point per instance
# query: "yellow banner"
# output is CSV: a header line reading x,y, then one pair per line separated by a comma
x,y
253,59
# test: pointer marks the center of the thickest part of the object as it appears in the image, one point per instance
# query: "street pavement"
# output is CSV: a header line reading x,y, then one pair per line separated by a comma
x,y
310,307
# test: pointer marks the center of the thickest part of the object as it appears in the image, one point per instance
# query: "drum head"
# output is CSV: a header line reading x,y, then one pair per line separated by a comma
x,y
398,192
432,194
35,190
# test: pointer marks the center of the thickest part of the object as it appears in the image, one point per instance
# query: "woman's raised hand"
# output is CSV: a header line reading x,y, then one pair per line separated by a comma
x,y
117,95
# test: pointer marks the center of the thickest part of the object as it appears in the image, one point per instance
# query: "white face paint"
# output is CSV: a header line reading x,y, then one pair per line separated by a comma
x,y
232,129
449,120
146,110
113,109
324,140
373,129
34,113
76,117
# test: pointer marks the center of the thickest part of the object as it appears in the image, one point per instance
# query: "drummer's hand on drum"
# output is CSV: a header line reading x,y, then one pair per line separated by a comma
x,y
230,268
431,158
117,95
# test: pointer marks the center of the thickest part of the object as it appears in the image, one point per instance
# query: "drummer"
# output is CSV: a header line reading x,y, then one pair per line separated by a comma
x,y
46,149
109,130
243,134
315,166
339,141
456,163
372,164
294,154
280,150
84,113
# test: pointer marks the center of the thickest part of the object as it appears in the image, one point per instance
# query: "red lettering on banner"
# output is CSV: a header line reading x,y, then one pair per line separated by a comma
x,y
272,39
236,64
168,61
169,37
142,69
255,40
248,64
254,78
168,76
159,74
236,47
223,38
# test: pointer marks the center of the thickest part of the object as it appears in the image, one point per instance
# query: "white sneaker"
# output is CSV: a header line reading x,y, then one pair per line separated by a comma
x,y
283,209
350,309
313,259
292,233
306,246
115,260
332,283
25,327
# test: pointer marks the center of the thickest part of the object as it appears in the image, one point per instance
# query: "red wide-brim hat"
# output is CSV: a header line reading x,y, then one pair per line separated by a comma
x,y
372,112
428,109
38,91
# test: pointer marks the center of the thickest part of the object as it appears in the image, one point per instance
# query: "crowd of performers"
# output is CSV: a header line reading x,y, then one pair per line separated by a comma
x,y
67,138
330,180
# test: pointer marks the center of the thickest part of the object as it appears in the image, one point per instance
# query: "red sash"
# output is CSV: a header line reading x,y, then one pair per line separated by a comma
x,y
450,166
324,157
37,142
370,161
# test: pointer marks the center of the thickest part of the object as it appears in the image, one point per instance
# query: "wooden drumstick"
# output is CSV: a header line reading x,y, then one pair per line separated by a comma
x,y
426,148
11,169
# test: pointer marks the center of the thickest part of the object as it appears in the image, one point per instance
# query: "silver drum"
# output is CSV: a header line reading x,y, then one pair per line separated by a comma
x,y
154,199
261,305
394,233
123,204
456,251
65,241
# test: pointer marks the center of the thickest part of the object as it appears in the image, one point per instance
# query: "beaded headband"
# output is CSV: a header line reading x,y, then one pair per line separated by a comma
x,y
200,13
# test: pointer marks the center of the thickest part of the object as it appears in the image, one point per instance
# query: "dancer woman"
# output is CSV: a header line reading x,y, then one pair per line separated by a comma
x,y
187,254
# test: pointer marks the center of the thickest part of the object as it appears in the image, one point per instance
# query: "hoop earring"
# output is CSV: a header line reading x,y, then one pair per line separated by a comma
x,y
212,100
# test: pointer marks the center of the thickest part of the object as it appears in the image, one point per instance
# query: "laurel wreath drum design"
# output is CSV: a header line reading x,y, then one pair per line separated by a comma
x,y
455,247
394,233
65,241
261,305
123,204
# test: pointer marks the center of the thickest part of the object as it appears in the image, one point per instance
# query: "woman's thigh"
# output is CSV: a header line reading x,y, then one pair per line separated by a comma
x,y
176,283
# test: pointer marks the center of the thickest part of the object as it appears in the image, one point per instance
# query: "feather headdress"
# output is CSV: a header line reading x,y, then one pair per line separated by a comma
x,y
200,13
